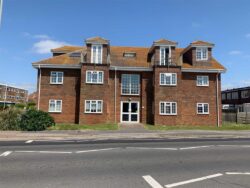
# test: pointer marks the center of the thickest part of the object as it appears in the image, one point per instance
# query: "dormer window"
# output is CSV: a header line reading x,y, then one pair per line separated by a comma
x,y
201,53
96,54
165,54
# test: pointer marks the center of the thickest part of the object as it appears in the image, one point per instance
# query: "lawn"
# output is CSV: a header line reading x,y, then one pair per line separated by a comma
x,y
225,126
103,127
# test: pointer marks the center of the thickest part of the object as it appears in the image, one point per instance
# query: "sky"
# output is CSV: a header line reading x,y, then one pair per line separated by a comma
x,y
30,28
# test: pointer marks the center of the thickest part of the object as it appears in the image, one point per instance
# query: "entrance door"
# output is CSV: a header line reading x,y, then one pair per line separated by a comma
x,y
130,112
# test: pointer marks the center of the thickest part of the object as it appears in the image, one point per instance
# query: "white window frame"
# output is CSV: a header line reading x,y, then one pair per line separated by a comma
x,y
171,108
171,79
91,81
90,107
164,55
202,105
201,50
95,59
130,85
56,110
57,77
203,83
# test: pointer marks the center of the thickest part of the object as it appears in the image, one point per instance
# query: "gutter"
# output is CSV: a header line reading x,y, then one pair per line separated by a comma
x,y
217,100
38,66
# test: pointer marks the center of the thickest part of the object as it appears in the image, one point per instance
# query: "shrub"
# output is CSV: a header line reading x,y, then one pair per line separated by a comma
x,y
36,120
20,105
10,119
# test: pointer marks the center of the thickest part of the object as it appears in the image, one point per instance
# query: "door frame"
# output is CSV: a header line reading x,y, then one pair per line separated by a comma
x,y
138,113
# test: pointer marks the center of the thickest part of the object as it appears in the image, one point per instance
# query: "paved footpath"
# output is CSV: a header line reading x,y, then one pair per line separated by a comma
x,y
120,134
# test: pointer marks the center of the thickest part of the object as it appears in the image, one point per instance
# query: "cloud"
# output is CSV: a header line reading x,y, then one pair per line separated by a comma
x,y
37,36
235,52
248,35
44,46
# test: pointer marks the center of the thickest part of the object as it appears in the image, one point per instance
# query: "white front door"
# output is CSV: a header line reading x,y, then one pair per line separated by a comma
x,y
130,112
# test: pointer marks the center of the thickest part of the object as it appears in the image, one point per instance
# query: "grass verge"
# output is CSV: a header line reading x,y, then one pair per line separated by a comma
x,y
104,127
225,126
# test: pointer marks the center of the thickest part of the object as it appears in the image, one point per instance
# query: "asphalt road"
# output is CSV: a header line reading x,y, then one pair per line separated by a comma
x,y
125,164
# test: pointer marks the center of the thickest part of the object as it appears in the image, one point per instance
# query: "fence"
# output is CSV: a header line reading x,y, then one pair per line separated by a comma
x,y
236,117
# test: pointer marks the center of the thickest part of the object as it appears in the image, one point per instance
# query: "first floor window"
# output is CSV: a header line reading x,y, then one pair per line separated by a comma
x,y
93,106
235,95
168,79
55,105
168,108
202,81
229,96
130,84
56,77
223,96
94,77
244,94
202,108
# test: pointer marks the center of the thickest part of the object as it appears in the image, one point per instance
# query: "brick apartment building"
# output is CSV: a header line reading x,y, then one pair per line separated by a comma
x,y
12,95
162,84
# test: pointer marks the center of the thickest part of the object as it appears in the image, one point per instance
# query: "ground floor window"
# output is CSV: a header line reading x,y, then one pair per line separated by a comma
x,y
93,106
202,108
168,108
55,105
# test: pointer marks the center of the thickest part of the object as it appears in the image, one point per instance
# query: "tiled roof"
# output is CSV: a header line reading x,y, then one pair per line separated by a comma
x,y
117,58
202,43
97,40
67,49
164,41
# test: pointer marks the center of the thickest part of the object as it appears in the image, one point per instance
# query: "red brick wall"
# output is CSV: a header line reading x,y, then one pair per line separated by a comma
x,y
68,92
94,92
187,95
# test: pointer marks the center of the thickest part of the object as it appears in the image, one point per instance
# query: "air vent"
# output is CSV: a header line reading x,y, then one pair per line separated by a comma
x,y
129,54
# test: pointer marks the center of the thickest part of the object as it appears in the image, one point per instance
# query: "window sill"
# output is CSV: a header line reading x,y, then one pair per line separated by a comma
x,y
94,113
55,112
168,114
130,94
94,83
202,113
56,83
168,85
202,85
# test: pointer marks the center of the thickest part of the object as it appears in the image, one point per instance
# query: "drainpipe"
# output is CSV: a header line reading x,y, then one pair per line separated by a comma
x,y
39,87
217,100
115,94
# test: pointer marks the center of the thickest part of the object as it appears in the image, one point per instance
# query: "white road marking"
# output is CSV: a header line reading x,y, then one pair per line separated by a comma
x,y
194,147
152,182
238,173
152,148
6,153
193,180
29,141
54,152
94,150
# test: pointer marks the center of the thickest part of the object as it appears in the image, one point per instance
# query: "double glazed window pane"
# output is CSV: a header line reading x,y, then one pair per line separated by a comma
x,y
168,79
130,84
95,77
56,77
93,106
97,54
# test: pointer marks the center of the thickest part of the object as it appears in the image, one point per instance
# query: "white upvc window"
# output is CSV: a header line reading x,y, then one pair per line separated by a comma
x,y
130,84
96,54
165,55
202,108
93,106
55,105
169,79
168,108
201,53
56,77
202,81
94,77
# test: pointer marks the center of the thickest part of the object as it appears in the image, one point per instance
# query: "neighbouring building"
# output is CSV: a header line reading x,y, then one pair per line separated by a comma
x,y
12,95
234,98
161,84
